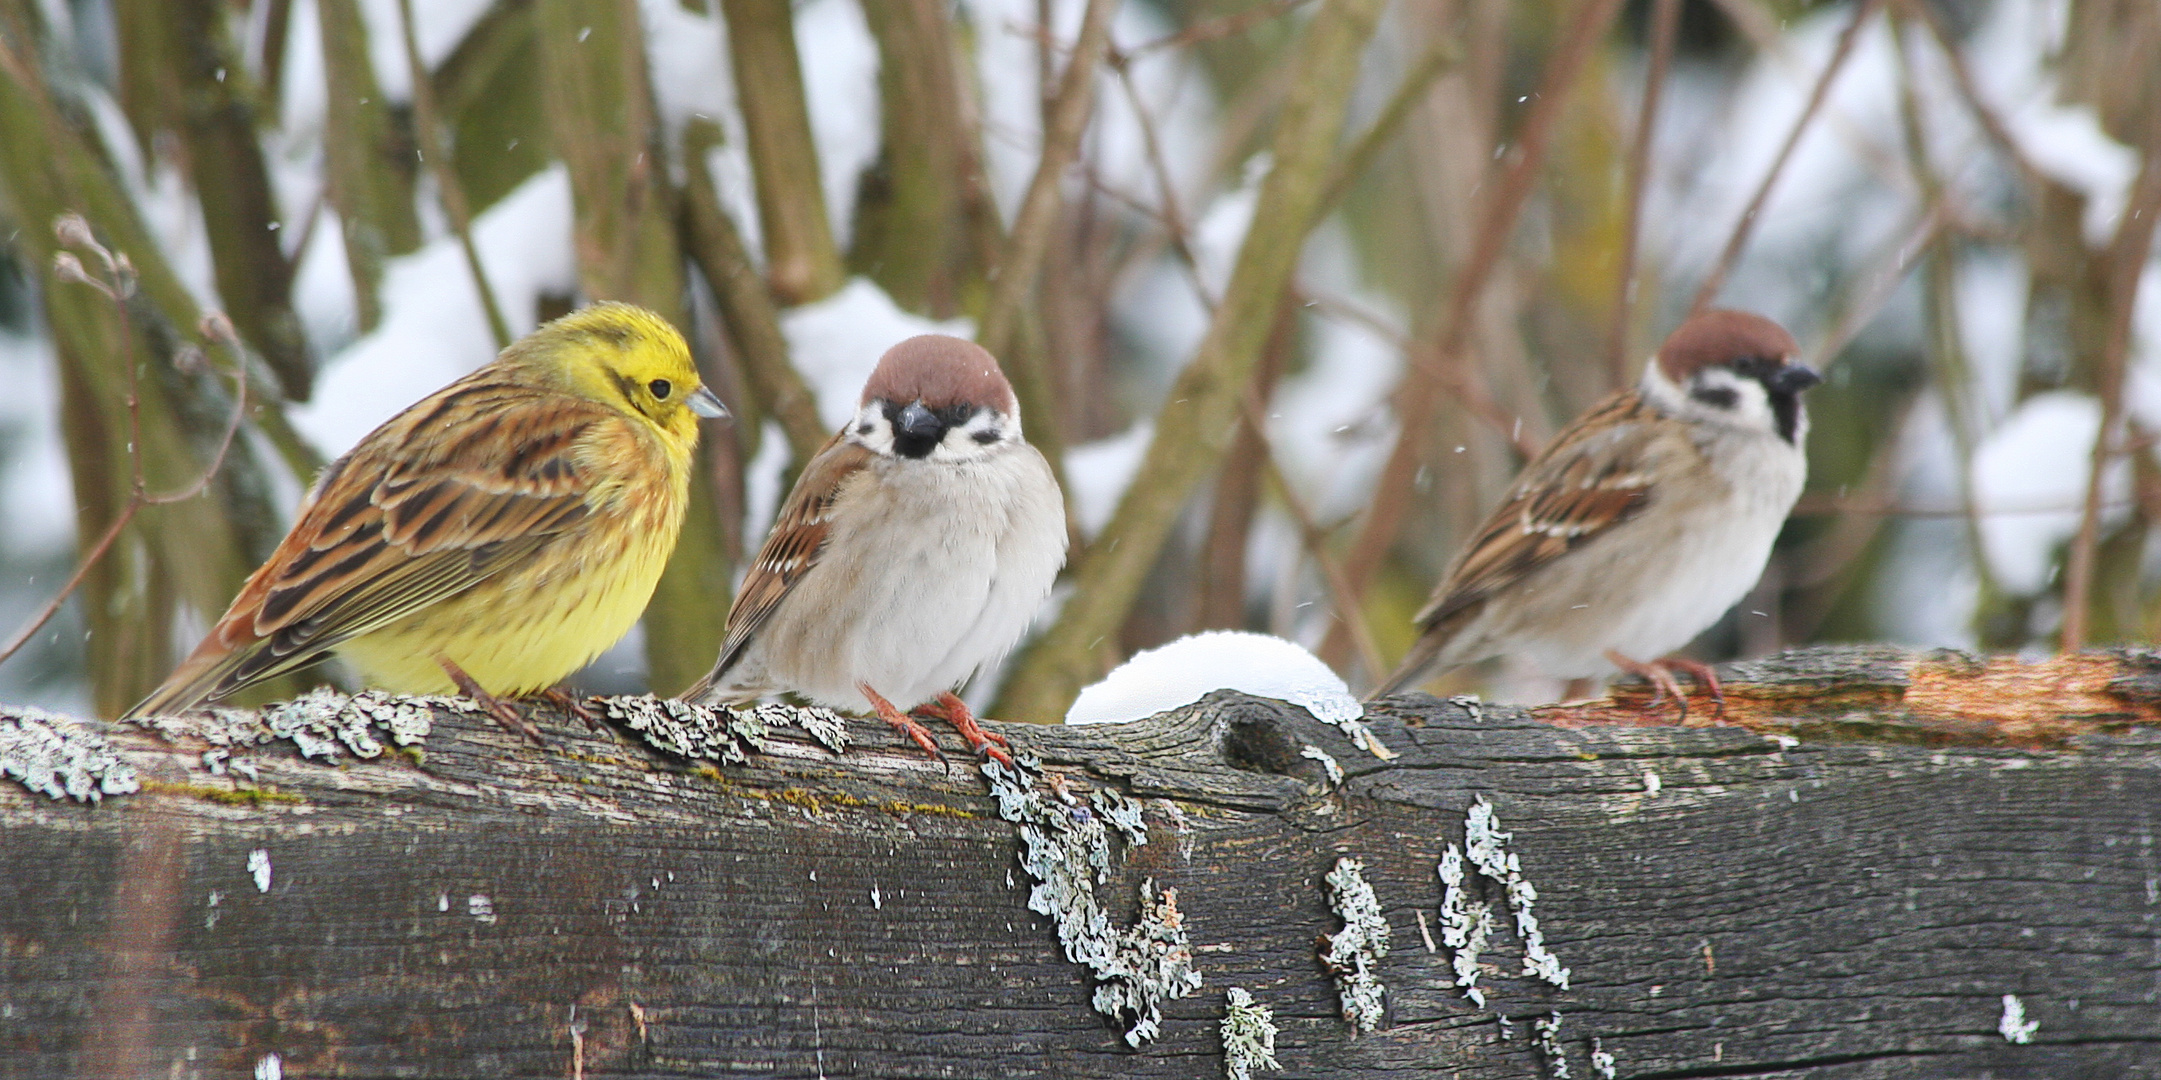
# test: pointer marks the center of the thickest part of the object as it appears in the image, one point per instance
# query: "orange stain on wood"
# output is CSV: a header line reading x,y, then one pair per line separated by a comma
x,y
1947,699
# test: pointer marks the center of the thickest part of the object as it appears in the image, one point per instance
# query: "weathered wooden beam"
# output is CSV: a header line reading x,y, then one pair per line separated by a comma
x,y
1845,882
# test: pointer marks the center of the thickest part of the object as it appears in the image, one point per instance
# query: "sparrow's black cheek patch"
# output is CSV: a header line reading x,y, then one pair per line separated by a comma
x,y
986,436
1718,397
863,428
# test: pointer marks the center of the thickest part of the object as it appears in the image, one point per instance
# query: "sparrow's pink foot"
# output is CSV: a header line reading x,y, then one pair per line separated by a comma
x,y
951,709
1706,676
503,712
890,714
1663,684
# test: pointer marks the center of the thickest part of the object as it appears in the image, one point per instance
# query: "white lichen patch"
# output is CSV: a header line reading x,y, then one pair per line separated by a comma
x,y
481,907
60,758
1327,760
1471,706
1353,954
1487,848
1360,735
2013,1025
259,869
1468,922
1066,849
1546,1036
1153,964
718,733
1249,1036
321,723
1465,924
1602,1062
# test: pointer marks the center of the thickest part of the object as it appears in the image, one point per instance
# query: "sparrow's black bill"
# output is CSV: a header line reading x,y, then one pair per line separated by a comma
x,y
704,403
1794,378
919,422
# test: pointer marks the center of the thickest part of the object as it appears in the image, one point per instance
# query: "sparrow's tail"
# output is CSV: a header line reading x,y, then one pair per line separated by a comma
x,y
1416,668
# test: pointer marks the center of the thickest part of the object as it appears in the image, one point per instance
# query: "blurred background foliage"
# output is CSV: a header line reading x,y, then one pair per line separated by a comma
x,y
1357,257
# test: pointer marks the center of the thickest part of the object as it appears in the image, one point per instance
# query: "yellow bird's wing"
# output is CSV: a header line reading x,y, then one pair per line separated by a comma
x,y
446,495
790,550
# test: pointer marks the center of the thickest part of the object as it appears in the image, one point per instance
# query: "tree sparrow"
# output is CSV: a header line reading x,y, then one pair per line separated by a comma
x,y
915,547
1640,524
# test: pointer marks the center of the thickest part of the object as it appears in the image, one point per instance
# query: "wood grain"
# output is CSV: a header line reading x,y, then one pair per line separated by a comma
x,y
1836,898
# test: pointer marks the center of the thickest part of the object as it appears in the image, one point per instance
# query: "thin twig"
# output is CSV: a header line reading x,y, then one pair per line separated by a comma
x,y
1440,364
435,153
1665,20
117,285
1860,310
1440,55
1741,229
1348,612
2128,255
1962,78
1222,26
1030,237
1172,218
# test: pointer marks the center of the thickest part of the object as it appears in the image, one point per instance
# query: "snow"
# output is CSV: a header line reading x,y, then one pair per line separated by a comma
x,y
837,341
1096,474
1928,590
438,27
433,329
840,88
2029,483
1178,100
35,487
1191,667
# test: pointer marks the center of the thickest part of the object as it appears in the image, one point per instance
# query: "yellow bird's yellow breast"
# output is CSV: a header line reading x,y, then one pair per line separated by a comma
x,y
529,627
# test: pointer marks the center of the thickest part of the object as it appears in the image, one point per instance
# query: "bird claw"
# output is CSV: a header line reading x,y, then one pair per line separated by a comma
x,y
498,709
891,714
1659,673
951,709
569,703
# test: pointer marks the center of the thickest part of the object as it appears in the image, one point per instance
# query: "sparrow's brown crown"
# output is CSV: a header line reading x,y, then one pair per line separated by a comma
x,y
940,371
1722,336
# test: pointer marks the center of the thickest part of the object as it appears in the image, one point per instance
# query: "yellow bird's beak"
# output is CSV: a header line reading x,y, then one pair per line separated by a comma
x,y
706,405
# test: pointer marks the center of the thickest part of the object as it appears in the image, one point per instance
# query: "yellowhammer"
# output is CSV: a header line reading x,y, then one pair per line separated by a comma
x,y
494,537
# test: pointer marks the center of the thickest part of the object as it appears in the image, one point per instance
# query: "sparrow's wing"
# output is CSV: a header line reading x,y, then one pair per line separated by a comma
x,y
442,497
1592,477
790,550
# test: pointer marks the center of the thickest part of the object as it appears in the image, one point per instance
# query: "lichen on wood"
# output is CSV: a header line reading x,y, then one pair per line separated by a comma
x,y
1249,1036
1354,953
60,758
717,733
1066,848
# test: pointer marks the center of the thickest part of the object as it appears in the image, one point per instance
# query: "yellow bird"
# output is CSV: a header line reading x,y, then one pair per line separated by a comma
x,y
493,538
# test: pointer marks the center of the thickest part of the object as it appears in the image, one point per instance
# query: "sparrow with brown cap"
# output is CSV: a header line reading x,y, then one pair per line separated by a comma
x,y
915,548
1640,524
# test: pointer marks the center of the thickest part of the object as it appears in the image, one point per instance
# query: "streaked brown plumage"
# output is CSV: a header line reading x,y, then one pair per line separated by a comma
x,y
513,523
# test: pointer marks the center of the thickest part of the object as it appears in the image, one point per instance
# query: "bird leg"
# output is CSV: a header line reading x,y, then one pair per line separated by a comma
x,y
1662,683
951,709
900,721
503,712
569,703
1705,676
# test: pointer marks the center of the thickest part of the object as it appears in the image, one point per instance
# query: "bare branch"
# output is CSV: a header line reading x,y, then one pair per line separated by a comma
x,y
1665,20
1200,417
435,153
2128,255
1741,229
1439,363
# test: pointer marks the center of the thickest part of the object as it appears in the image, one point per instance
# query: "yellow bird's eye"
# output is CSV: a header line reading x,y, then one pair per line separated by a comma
x,y
660,388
